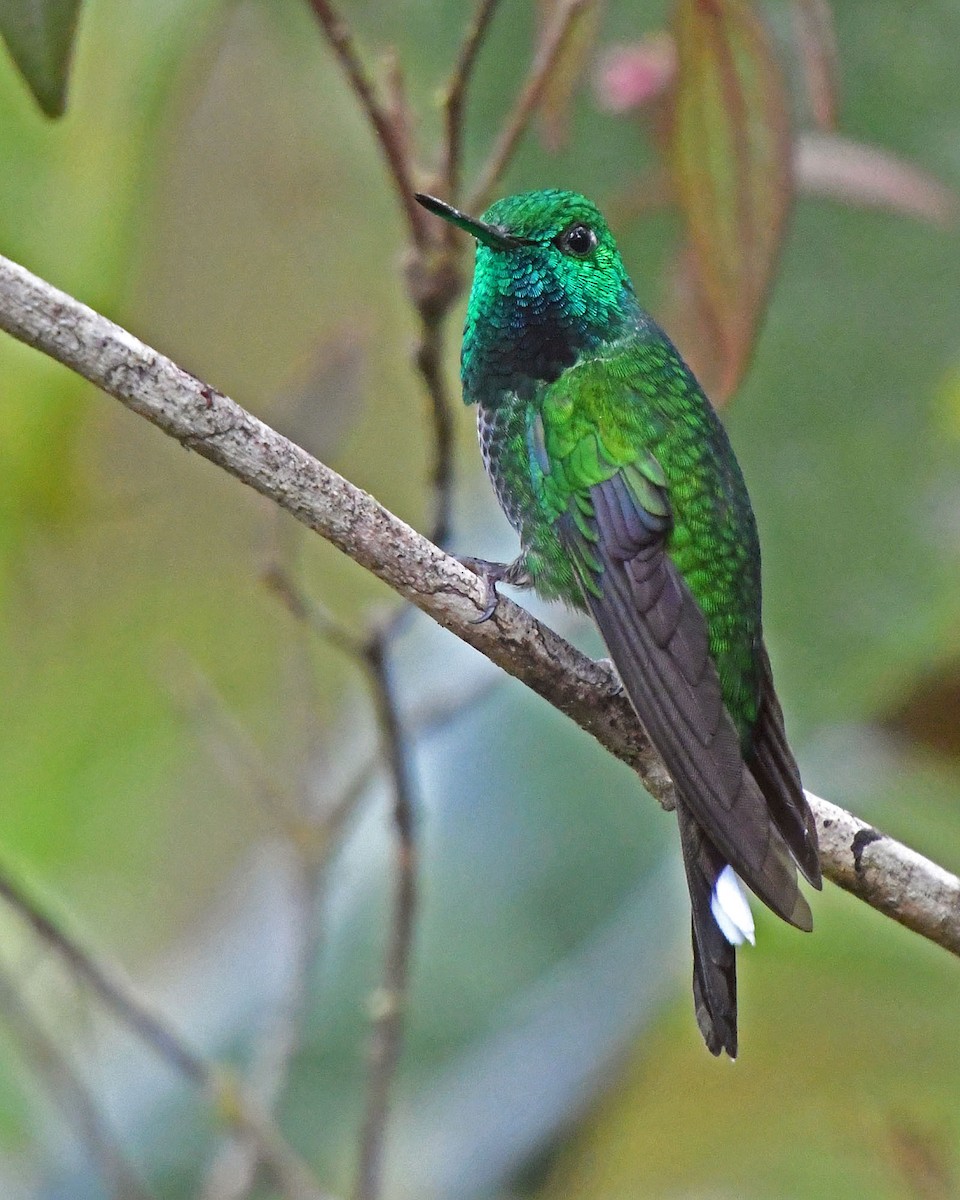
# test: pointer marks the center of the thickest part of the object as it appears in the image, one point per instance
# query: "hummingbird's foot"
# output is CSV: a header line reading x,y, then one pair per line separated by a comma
x,y
492,573
617,685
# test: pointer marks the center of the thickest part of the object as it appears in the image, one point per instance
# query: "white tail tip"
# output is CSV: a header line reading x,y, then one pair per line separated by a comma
x,y
730,909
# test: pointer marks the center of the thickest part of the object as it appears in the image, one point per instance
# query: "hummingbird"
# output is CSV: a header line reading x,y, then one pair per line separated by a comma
x,y
615,470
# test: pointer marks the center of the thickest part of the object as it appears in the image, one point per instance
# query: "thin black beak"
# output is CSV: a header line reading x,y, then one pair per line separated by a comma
x,y
489,235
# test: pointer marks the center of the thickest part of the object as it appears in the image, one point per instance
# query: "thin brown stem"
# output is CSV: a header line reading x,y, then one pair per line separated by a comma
x,y
229,745
390,1000
70,1094
310,832
455,97
434,282
430,365
538,76
433,286
386,129
312,614
107,986
233,1172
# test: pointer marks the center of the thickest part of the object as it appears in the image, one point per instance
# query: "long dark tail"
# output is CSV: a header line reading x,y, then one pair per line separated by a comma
x,y
714,957
773,766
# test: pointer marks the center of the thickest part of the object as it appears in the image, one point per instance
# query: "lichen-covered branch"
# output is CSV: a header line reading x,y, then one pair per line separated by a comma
x,y
888,876
891,877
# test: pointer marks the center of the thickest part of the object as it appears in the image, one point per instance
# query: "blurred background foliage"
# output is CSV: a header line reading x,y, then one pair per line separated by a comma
x,y
174,743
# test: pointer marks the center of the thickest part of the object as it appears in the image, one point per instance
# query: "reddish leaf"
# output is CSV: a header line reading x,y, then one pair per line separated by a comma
x,y
730,158
568,70
690,324
817,46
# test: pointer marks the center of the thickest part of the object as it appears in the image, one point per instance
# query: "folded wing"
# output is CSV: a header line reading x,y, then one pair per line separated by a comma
x,y
748,812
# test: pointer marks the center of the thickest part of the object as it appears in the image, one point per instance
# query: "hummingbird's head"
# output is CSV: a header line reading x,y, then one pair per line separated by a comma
x,y
549,283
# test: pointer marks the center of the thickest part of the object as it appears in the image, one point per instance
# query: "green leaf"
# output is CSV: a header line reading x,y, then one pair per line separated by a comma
x,y
40,35
730,155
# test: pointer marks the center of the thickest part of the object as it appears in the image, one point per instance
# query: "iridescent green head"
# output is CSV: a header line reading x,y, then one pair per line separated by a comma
x,y
549,283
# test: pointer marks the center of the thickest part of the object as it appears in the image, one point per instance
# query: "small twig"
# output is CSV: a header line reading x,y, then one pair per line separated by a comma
x,y
307,610
232,1174
230,745
204,420
455,96
71,1094
434,283
434,287
390,1000
538,76
388,135
397,108
113,991
288,1171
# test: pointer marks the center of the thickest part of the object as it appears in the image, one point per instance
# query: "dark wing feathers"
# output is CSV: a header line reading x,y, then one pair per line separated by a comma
x,y
773,766
750,814
676,691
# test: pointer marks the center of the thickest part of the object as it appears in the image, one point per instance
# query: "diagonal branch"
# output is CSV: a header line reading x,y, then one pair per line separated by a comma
x,y
921,895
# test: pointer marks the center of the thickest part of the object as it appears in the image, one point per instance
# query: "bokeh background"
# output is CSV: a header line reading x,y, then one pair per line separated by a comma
x,y
167,723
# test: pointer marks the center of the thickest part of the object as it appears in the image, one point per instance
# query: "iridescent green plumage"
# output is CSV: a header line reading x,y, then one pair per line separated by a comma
x,y
617,474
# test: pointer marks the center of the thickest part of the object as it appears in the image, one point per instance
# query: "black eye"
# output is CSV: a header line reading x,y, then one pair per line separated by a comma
x,y
578,240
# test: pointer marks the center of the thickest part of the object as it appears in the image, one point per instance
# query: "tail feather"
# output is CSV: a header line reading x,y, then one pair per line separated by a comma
x,y
714,957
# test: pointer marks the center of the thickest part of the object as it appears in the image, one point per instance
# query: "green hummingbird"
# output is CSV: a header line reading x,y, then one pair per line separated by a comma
x,y
613,467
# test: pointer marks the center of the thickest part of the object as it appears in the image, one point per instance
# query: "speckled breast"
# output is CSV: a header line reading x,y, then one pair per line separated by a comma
x,y
502,431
